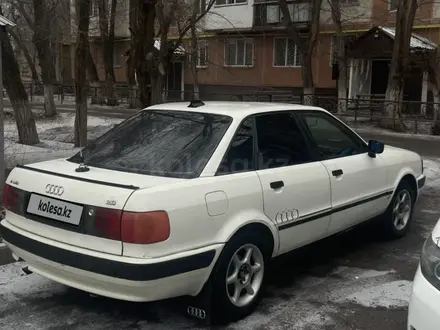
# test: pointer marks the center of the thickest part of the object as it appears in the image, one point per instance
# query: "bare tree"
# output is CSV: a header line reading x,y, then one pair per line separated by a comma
x,y
82,48
166,12
130,63
194,49
432,66
341,59
42,41
107,29
305,45
142,40
93,78
27,130
406,11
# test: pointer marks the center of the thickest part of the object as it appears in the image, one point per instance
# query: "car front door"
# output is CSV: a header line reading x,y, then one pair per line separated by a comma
x,y
358,180
296,187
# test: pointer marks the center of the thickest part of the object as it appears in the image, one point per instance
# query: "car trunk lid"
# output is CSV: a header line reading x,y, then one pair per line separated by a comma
x,y
54,201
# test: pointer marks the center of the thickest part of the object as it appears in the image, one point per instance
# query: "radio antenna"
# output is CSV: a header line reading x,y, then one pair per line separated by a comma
x,y
82,167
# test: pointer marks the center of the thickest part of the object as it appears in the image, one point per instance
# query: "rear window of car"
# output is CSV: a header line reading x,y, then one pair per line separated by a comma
x,y
156,142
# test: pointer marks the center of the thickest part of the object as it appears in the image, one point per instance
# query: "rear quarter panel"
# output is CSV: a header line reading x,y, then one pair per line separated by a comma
x,y
234,200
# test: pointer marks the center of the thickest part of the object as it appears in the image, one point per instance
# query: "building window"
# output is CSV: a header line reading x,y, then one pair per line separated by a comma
x,y
393,4
239,52
229,2
202,54
286,53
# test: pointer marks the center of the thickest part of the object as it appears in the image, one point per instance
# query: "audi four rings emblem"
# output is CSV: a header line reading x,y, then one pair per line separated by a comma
x,y
197,312
286,215
54,190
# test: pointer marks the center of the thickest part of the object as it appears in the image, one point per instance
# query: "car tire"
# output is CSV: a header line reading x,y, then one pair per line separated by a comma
x,y
244,275
397,218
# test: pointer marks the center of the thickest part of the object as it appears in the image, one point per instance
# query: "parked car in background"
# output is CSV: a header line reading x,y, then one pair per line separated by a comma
x,y
424,306
181,193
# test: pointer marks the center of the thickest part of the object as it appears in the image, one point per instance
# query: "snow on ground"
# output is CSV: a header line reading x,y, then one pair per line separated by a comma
x,y
374,129
432,171
311,303
56,138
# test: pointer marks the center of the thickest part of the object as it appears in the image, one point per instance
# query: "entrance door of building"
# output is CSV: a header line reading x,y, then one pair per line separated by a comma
x,y
379,77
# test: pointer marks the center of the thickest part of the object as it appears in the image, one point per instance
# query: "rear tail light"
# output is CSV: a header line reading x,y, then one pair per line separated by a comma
x,y
131,227
145,228
108,223
13,199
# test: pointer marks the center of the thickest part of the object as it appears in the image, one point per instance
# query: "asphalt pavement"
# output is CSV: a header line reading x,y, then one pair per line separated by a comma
x,y
349,282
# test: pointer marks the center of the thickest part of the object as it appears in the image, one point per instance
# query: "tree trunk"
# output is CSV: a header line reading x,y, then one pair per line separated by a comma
x,y
143,40
436,127
432,69
95,84
82,9
27,55
405,15
27,131
158,88
307,78
340,56
133,101
42,41
194,53
107,29
305,45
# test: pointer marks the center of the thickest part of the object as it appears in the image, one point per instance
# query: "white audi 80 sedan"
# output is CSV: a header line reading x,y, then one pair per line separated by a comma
x,y
424,306
182,194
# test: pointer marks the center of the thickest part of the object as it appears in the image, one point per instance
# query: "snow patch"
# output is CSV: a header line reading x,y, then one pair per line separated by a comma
x,y
370,273
394,294
431,168
56,139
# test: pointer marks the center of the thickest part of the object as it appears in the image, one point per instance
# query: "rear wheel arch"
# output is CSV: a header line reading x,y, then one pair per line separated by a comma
x,y
259,229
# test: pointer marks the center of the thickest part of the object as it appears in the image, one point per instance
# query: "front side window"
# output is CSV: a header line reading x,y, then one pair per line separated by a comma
x,y
161,143
332,139
280,141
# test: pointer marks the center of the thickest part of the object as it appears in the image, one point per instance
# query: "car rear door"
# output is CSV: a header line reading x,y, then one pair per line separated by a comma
x,y
358,181
296,187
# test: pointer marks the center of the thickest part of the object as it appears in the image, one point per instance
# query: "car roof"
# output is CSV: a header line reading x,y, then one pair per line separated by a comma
x,y
234,109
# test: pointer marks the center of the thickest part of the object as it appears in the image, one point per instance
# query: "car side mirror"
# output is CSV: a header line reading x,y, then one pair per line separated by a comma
x,y
375,147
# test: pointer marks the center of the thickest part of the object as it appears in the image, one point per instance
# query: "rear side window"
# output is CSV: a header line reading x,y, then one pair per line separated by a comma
x,y
161,143
240,156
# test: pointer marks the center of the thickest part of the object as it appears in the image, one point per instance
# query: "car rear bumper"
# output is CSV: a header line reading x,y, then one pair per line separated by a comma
x,y
424,306
118,277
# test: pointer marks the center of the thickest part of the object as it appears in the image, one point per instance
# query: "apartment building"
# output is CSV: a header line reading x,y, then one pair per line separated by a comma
x,y
248,49
243,47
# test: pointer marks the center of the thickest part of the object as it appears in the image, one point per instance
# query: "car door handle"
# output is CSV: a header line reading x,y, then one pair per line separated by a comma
x,y
337,172
277,184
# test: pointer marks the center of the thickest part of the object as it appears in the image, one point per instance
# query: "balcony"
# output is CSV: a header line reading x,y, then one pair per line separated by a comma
x,y
268,13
